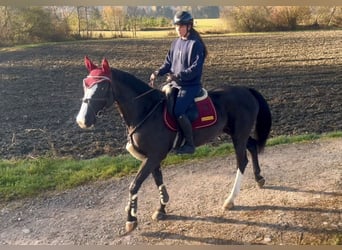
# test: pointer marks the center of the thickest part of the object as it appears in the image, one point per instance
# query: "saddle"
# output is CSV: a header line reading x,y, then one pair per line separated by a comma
x,y
201,113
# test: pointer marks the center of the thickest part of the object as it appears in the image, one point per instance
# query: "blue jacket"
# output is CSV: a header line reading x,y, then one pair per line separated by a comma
x,y
185,60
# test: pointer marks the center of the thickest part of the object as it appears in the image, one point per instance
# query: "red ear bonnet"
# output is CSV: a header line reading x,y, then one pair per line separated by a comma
x,y
96,74
105,66
89,64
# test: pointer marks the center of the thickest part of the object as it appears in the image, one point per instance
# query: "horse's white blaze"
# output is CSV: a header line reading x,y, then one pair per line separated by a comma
x,y
88,93
229,203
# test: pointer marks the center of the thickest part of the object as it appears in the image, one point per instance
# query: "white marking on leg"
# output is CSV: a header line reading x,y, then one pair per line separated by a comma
x,y
133,209
80,119
132,205
229,202
162,190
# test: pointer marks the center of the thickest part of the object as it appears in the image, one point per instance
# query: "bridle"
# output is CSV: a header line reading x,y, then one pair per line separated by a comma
x,y
108,100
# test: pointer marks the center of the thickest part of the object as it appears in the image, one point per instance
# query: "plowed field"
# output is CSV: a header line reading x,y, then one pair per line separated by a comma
x,y
298,73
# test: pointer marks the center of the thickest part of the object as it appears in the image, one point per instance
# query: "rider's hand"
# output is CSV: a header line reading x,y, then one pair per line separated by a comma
x,y
171,78
153,77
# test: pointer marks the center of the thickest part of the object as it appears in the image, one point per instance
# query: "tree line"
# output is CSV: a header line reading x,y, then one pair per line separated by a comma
x,y
60,23
56,23
275,18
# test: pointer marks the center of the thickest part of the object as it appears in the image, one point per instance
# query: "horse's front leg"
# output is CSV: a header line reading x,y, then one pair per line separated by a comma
x,y
132,207
160,213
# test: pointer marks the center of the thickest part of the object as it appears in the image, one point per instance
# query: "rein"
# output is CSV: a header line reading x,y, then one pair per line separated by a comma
x,y
146,117
130,134
145,93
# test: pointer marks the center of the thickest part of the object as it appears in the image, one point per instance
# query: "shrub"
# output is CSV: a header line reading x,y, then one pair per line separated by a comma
x,y
250,19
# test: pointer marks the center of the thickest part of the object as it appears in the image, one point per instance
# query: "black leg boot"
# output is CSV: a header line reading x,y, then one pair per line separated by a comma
x,y
185,125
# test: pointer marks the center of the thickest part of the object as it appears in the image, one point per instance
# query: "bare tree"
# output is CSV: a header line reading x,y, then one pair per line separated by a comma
x,y
4,23
133,15
114,18
333,10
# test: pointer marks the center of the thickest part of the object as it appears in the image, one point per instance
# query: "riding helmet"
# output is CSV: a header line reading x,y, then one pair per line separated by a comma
x,y
183,18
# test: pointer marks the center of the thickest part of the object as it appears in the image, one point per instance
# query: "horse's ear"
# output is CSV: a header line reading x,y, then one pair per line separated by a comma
x,y
89,64
105,65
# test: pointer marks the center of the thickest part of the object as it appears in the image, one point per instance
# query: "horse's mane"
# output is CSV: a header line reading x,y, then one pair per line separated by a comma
x,y
137,84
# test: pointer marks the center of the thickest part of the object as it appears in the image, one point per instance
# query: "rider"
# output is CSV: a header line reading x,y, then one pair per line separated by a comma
x,y
184,65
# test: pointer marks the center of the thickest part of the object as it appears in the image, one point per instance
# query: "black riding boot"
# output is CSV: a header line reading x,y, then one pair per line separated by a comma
x,y
185,126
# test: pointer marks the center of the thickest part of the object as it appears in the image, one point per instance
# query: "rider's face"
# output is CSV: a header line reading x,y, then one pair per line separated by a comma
x,y
182,30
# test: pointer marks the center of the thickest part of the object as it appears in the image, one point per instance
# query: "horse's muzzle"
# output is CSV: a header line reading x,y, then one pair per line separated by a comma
x,y
82,124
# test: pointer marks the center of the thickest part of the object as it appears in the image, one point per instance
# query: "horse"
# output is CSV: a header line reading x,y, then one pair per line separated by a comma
x,y
242,112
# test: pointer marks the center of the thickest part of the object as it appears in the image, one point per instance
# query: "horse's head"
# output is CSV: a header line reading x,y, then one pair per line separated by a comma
x,y
98,93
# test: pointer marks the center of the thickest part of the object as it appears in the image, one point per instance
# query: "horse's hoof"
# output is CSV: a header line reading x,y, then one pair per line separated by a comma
x,y
261,183
228,206
157,215
131,225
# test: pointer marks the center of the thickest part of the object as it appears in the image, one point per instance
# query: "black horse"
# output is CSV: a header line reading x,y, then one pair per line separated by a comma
x,y
241,112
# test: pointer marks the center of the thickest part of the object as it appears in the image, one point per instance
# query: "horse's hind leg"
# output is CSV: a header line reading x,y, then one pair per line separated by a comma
x,y
242,161
253,149
160,213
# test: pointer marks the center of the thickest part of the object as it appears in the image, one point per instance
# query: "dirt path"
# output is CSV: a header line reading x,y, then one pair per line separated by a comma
x,y
300,204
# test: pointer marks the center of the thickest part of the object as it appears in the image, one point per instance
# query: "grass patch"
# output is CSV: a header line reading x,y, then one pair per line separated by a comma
x,y
30,177
292,139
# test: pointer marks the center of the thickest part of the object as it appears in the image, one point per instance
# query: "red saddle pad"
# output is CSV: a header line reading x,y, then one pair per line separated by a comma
x,y
207,115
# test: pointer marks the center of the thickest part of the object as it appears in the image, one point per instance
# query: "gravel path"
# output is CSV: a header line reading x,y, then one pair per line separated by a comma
x,y
300,204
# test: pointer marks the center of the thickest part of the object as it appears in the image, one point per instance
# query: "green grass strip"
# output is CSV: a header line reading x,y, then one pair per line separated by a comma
x,y
30,177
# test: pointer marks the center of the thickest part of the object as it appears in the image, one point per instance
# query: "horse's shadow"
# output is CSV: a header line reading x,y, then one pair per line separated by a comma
x,y
261,224
205,240
292,189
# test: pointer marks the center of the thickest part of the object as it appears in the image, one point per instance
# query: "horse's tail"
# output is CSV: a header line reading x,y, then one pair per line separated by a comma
x,y
264,120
